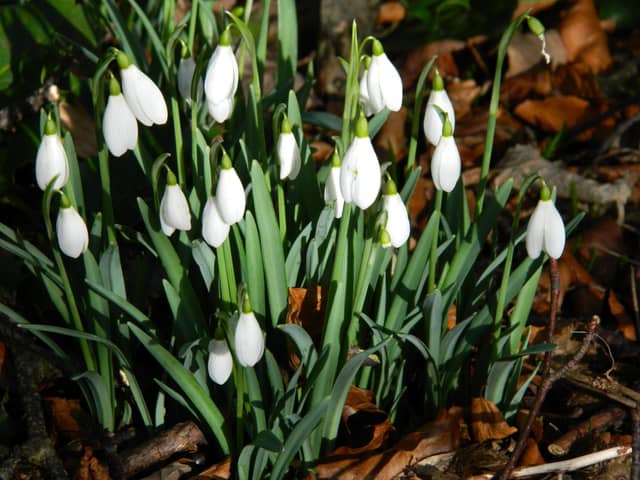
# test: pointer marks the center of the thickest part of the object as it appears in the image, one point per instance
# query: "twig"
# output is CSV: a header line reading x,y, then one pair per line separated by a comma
x,y
634,299
635,445
606,387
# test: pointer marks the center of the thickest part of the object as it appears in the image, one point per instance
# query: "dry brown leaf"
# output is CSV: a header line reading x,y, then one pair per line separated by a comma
x,y
65,414
418,58
391,12
321,151
462,94
552,113
307,309
524,51
219,471
83,131
583,36
535,82
531,455
487,422
392,136
577,79
533,6
90,467
420,200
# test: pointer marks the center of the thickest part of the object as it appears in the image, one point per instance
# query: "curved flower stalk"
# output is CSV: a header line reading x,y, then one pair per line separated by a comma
x,y
437,106
73,237
186,69
230,198
364,89
445,164
397,225
332,191
214,229
545,230
360,171
119,125
384,85
51,159
248,338
143,96
220,362
174,209
288,152
221,79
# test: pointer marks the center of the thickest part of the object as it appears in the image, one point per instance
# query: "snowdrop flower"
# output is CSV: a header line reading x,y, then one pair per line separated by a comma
x,y
397,219
364,90
230,198
288,152
248,341
186,69
437,105
384,85
537,29
174,209
143,96
545,230
445,164
214,230
220,362
332,192
119,126
73,237
51,159
221,79
360,171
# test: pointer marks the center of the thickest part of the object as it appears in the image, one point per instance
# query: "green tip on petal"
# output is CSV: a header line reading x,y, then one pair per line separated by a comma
x,y
437,82
285,127
64,201
367,62
535,26
362,127
226,162
376,48
50,127
184,50
545,193
123,60
336,161
246,303
390,187
225,38
238,11
219,333
171,178
384,237
447,129
114,87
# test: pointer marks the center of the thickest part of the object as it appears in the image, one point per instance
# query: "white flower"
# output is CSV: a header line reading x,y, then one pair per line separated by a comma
x,y
437,104
397,226
220,363
364,93
51,159
545,230
230,198
384,85
360,171
186,69
445,164
332,191
73,237
143,96
221,79
248,339
174,209
119,126
214,229
288,152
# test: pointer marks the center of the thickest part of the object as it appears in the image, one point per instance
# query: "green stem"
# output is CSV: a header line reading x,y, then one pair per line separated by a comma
x,y
177,133
238,374
282,213
362,284
352,91
192,23
415,122
107,203
434,245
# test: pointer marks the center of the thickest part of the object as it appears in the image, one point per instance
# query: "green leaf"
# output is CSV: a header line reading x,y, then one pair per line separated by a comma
x,y
255,270
205,259
287,42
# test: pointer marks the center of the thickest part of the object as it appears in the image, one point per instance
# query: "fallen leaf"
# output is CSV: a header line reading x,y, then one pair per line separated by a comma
x,y
173,471
531,455
219,471
418,58
391,12
462,94
366,428
525,51
536,82
307,309
65,414
392,137
553,113
487,422
578,80
83,131
532,6
321,151
90,467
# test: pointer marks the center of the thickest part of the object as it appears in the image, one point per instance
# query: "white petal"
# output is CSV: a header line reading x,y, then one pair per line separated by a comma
x,y
221,111
332,191
446,164
174,209
220,363
398,225
51,160
214,230
376,99
554,233
230,197
364,94
221,79
186,70
143,96
119,126
535,231
432,123
248,340
289,156
360,173
73,237
390,83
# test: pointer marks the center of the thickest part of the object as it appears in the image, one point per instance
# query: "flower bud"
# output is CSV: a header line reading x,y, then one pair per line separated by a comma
x,y
51,159
71,231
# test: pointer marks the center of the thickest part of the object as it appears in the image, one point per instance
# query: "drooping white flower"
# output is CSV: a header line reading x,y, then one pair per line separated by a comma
x,y
437,105
445,164
545,230
364,90
174,209
143,96
248,339
397,218
119,126
384,85
230,198
221,79
360,171
73,237
214,230
220,362
51,159
288,152
186,69
332,191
